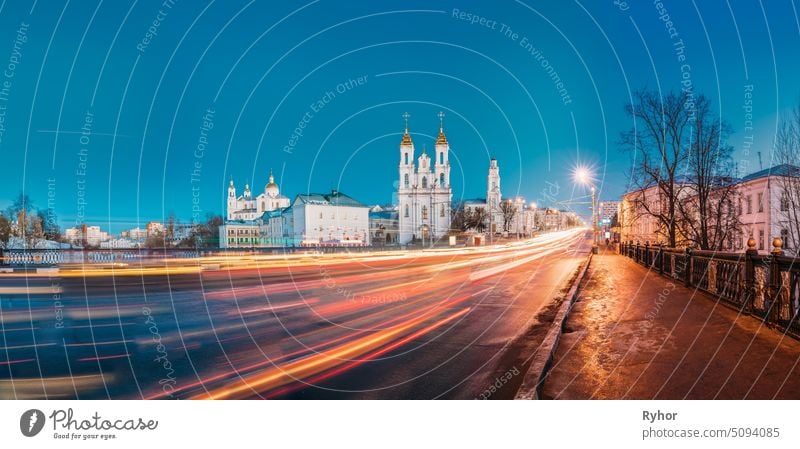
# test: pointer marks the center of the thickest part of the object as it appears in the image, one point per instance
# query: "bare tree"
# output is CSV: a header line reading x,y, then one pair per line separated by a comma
x,y
458,217
707,218
509,211
787,155
5,230
477,219
657,142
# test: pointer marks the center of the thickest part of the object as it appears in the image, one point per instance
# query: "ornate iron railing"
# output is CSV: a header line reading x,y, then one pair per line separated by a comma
x,y
766,286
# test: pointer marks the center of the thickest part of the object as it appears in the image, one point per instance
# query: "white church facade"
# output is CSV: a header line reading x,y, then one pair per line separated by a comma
x,y
424,192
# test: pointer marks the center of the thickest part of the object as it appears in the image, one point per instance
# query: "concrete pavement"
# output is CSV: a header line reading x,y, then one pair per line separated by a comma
x,y
634,334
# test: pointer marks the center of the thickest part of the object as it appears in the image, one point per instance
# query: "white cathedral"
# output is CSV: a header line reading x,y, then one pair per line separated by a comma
x,y
247,208
424,192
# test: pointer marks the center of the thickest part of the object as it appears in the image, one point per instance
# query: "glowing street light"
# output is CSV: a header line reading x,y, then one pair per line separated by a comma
x,y
584,176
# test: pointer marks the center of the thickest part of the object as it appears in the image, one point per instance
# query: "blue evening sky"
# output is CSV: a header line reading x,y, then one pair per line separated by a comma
x,y
347,71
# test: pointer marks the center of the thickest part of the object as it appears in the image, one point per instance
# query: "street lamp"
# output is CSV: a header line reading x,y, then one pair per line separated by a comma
x,y
584,176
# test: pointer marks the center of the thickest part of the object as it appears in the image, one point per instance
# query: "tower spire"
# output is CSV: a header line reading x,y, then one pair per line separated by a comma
x,y
406,137
441,140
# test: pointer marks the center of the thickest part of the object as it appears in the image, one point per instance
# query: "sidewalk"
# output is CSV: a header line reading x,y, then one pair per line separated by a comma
x,y
638,335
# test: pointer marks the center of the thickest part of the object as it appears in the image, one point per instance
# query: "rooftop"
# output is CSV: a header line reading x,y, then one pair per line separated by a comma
x,y
335,198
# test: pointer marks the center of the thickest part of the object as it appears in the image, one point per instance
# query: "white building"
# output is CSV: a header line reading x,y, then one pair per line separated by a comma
x,y
138,234
762,209
247,208
92,235
333,219
607,209
424,192
120,243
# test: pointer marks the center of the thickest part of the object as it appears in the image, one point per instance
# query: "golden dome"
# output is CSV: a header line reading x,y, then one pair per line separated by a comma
x,y
406,139
441,140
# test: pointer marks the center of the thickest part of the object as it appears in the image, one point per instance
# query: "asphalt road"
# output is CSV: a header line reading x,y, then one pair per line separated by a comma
x,y
447,323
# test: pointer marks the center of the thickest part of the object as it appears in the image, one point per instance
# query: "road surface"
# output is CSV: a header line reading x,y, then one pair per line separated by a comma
x,y
439,323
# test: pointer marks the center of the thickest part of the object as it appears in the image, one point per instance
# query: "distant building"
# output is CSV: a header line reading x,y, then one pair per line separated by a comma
x,y
240,234
134,234
154,228
607,209
91,235
333,219
384,226
247,208
490,204
120,243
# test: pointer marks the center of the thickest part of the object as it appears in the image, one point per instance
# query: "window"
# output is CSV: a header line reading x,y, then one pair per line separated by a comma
x,y
748,201
760,201
784,202
320,215
424,182
761,239
406,211
406,158
405,179
785,238
441,157
441,179
441,211
424,211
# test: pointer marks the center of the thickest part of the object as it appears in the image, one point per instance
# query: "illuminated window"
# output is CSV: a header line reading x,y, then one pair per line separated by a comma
x,y
424,211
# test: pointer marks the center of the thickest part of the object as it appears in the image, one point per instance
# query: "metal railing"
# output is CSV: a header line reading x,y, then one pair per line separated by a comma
x,y
766,286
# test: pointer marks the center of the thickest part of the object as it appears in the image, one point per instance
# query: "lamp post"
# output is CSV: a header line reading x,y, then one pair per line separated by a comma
x,y
583,176
594,223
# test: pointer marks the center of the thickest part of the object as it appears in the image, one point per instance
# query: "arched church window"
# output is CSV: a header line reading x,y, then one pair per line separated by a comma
x,y
441,179
424,182
441,211
405,180
406,211
441,157
406,158
424,212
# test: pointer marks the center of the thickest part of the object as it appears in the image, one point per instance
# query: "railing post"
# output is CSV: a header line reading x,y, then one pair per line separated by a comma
x,y
647,254
774,309
660,258
749,275
687,275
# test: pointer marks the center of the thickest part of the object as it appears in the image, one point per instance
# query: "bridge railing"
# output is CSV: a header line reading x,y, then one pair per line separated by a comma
x,y
766,286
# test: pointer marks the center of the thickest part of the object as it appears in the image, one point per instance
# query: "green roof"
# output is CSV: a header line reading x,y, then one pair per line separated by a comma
x,y
334,198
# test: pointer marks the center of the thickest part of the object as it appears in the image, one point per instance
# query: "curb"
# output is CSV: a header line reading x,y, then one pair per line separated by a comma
x,y
540,366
